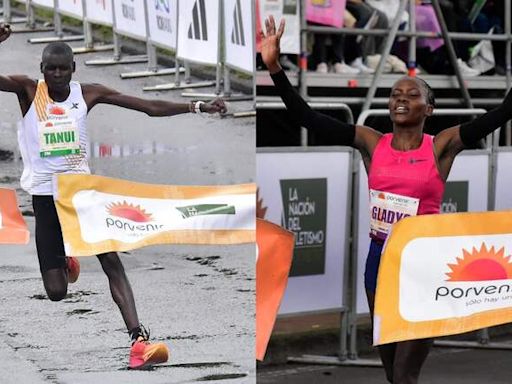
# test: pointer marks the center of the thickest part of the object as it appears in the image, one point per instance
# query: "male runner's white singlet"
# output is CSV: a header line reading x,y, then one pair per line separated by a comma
x,y
53,139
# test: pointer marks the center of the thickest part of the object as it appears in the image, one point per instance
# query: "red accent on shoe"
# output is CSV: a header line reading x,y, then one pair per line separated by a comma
x,y
73,269
143,353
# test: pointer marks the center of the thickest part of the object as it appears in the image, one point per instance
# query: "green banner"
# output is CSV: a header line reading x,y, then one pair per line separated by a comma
x,y
455,198
60,152
305,214
206,209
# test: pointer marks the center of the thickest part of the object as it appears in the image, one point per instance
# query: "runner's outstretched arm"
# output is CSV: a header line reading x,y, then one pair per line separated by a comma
x,y
327,127
16,83
99,94
467,134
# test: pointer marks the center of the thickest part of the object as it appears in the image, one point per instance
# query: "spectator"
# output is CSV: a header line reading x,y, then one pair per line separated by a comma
x,y
320,51
370,17
432,54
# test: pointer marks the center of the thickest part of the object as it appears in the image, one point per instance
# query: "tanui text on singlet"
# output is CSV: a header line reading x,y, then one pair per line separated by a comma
x,y
59,137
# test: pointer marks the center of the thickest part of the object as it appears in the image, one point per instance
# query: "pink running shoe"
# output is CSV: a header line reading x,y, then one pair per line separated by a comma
x,y
143,353
73,269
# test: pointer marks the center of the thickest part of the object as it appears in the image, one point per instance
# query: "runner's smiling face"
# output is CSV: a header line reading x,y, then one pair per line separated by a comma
x,y
57,69
408,103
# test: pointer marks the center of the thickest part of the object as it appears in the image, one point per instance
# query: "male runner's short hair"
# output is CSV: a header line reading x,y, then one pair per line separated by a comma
x,y
57,48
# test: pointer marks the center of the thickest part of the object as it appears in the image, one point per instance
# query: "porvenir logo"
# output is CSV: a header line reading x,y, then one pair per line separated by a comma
x,y
478,266
129,217
206,209
56,110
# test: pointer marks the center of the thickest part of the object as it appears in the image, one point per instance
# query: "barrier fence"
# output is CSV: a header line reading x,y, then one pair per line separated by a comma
x,y
297,190
192,30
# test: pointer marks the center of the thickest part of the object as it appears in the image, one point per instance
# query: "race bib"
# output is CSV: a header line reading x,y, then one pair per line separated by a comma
x,y
58,138
386,209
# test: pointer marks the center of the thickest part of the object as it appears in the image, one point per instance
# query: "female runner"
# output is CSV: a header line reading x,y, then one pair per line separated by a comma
x,y
406,165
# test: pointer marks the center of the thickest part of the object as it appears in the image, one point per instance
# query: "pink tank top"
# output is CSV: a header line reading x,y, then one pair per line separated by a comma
x,y
411,174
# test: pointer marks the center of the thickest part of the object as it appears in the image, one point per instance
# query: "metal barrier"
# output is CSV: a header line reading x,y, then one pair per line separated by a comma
x,y
29,20
117,57
141,29
7,14
301,173
279,105
393,32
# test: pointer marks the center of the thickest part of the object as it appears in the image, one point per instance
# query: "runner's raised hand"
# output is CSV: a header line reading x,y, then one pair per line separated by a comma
x,y
5,31
270,49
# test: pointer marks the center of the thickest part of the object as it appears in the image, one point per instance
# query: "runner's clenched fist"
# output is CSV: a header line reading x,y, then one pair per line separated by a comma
x,y
5,31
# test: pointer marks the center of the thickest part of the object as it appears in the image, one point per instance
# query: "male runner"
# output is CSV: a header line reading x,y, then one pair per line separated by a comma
x,y
53,139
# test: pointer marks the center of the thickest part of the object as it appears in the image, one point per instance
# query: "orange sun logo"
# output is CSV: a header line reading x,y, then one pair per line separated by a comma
x,y
481,265
129,211
56,110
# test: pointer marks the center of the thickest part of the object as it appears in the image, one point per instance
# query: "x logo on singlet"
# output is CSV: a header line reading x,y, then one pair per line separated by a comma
x,y
74,106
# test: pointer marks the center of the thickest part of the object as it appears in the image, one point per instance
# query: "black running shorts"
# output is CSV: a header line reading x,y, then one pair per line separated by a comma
x,y
49,243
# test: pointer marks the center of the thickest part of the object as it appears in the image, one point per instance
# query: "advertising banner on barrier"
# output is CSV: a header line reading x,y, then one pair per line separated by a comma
x,y
72,8
290,11
275,250
44,3
466,190
295,189
100,214
99,11
198,31
163,27
503,180
130,18
326,12
239,37
444,274
13,229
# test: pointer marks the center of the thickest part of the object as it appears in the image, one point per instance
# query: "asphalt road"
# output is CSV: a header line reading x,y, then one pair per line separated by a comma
x,y
443,366
197,299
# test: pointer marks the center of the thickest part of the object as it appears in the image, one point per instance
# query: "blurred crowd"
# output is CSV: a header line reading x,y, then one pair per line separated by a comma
x,y
354,54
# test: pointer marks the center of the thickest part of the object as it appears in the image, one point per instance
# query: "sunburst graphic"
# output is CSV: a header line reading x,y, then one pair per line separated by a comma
x,y
56,110
479,265
129,211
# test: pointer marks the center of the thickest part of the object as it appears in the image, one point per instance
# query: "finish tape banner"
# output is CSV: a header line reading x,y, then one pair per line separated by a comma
x,y
13,229
162,16
239,35
275,251
130,18
72,8
198,31
100,214
444,274
99,11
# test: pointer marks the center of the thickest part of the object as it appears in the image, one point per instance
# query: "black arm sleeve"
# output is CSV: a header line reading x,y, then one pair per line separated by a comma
x,y
326,127
472,131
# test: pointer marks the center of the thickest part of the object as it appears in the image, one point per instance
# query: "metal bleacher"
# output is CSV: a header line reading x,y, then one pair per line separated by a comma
x,y
363,91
